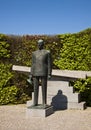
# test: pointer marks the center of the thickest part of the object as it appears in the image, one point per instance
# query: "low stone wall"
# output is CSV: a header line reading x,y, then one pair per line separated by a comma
x,y
59,94
62,73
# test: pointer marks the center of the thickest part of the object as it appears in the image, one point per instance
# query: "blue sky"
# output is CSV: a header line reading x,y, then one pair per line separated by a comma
x,y
21,17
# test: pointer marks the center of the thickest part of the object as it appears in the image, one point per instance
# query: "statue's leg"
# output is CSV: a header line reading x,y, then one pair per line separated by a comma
x,y
44,90
36,90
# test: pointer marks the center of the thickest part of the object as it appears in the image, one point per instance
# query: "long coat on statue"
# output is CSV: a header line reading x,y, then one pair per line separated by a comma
x,y
41,68
41,63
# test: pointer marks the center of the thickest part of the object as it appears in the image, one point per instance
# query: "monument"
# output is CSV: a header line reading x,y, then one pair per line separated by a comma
x,y
41,70
56,93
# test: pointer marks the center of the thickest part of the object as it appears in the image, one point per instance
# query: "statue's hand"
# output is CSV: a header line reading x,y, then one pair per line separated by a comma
x,y
30,79
49,76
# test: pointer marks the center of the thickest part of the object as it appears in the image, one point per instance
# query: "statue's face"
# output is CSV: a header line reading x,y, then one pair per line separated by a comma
x,y
40,45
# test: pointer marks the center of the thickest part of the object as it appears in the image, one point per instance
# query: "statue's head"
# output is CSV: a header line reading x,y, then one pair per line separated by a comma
x,y
40,44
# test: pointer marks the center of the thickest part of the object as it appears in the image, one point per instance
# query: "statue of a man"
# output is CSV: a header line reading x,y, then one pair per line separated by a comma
x,y
41,70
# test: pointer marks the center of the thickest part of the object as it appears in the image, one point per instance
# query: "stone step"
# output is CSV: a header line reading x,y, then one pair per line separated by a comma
x,y
64,89
29,103
59,95
74,105
63,105
69,105
38,112
75,97
57,83
54,90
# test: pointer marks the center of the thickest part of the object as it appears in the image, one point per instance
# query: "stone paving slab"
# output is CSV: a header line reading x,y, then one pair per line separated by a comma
x,y
13,117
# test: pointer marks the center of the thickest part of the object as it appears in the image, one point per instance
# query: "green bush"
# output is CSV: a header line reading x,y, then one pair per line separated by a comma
x,y
83,86
5,75
8,95
69,51
4,48
75,53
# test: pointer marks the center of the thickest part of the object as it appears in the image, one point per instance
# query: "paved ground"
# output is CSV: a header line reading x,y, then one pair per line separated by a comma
x,y
13,117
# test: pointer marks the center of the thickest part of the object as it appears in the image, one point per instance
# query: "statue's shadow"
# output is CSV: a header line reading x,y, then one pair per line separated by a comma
x,y
59,102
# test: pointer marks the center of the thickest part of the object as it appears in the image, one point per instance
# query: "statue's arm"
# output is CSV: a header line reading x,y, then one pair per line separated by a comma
x,y
49,65
30,79
32,64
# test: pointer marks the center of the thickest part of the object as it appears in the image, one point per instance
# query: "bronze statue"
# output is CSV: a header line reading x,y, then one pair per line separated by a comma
x,y
41,70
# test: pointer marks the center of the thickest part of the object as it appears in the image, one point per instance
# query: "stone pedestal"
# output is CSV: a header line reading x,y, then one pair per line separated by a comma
x,y
60,95
38,111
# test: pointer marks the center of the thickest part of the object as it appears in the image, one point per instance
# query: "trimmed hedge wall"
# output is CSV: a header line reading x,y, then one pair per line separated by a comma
x,y
69,51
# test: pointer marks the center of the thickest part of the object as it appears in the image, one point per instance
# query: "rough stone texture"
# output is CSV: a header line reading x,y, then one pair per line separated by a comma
x,y
30,112
13,117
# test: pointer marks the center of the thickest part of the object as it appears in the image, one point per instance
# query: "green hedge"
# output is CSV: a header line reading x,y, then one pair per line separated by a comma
x,y
8,95
69,51
9,90
75,53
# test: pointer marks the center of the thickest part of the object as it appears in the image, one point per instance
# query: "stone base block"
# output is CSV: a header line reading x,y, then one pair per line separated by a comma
x,y
79,106
38,112
29,103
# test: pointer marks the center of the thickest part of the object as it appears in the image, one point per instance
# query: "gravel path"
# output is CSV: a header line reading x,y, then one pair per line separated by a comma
x,y
13,117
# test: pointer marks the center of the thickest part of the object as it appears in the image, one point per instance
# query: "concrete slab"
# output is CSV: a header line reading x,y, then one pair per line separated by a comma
x,y
38,112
